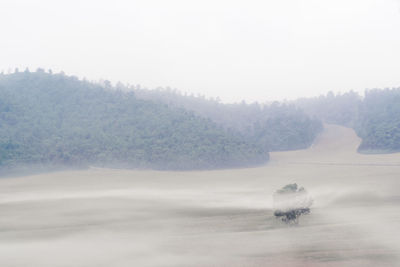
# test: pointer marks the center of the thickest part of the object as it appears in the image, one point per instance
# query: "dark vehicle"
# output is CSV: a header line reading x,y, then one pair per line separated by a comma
x,y
290,202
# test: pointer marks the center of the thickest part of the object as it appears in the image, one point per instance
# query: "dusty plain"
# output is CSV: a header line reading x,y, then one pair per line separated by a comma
x,y
106,217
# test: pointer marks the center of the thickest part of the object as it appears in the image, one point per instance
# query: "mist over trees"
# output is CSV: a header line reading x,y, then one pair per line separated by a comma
x,y
53,119
378,121
333,108
275,127
375,116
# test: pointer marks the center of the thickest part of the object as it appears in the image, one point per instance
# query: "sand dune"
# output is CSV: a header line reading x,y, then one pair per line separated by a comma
x,y
104,217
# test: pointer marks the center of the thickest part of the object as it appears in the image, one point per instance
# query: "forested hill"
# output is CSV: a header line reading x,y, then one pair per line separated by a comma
x,y
374,116
277,126
52,119
378,121
333,108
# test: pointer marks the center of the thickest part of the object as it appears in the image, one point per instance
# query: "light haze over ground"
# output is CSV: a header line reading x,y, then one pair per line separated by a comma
x,y
252,50
104,217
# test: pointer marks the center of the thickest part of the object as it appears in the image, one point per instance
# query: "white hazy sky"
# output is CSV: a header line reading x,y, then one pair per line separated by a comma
x,y
252,50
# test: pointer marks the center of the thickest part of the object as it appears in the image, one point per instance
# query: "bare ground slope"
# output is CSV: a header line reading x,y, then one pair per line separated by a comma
x,y
336,145
104,217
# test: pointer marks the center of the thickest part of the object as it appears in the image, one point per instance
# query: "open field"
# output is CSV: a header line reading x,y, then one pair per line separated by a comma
x,y
104,217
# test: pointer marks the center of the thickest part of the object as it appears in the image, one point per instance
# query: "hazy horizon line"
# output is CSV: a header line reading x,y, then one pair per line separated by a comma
x,y
182,92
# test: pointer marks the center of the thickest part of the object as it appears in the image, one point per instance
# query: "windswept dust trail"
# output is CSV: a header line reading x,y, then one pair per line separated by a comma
x,y
104,217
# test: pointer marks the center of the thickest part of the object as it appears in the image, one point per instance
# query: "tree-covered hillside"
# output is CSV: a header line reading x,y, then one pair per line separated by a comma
x,y
378,121
285,127
339,109
274,127
375,117
53,119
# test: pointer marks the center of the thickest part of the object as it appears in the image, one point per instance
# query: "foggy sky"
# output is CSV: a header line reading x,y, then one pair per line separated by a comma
x,y
252,50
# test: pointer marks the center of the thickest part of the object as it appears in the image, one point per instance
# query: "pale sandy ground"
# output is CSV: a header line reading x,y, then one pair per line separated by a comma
x,y
103,217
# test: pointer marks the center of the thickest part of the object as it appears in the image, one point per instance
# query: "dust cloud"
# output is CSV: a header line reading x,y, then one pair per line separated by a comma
x,y
105,217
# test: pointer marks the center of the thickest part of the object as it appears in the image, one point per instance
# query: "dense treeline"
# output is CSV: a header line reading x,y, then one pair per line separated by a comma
x,y
284,127
277,126
378,121
375,117
53,119
339,109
